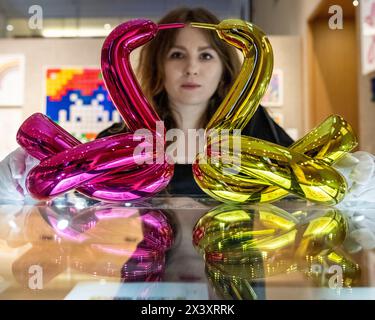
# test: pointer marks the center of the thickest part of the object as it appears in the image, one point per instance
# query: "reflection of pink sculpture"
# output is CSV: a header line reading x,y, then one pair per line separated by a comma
x,y
107,168
145,263
127,244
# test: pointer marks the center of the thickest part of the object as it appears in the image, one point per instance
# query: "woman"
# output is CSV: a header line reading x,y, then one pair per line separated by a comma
x,y
185,74
173,71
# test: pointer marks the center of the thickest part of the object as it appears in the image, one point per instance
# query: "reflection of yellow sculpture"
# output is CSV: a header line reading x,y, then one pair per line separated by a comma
x,y
261,171
242,244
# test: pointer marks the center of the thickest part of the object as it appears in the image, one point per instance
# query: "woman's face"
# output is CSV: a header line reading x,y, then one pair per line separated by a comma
x,y
192,69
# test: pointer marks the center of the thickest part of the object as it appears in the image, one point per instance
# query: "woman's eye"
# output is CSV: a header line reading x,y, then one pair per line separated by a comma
x,y
206,56
176,55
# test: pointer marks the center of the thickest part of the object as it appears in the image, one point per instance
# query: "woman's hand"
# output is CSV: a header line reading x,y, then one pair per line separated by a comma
x,y
13,173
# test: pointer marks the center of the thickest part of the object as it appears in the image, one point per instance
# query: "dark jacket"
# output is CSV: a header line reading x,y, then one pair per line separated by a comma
x,y
260,126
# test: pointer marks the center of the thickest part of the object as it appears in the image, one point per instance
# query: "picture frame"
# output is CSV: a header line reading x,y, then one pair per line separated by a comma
x,y
274,96
367,25
12,80
76,98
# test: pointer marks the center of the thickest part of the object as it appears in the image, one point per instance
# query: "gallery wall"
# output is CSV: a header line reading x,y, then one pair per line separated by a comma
x,y
42,53
366,111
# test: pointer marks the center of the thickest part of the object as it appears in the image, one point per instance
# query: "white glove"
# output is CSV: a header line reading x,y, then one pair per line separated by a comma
x,y
13,173
358,168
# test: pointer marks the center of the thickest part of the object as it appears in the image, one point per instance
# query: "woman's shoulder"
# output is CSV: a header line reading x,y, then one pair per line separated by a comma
x,y
262,126
117,127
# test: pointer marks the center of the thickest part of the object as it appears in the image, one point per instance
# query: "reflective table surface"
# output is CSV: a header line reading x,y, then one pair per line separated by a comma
x,y
185,248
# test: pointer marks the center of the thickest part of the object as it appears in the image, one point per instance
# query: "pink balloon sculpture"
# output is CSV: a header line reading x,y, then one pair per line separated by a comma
x,y
107,168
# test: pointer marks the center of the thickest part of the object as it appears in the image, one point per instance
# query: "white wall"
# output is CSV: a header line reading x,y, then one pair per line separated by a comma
x,y
277,17
288,57
366,112
2,24
40,53
289,17
306,10
283,17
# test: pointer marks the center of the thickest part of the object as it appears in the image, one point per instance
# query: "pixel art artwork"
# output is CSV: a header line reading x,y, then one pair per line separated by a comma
x,y
78,101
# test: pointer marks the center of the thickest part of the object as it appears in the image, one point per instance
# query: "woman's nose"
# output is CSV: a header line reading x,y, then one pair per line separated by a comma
x,y
192,68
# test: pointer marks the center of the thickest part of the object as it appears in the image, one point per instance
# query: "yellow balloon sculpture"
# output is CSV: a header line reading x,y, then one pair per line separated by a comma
x,y
260,171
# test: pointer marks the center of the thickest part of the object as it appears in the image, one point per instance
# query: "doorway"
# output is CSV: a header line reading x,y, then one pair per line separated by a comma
x,y
333,65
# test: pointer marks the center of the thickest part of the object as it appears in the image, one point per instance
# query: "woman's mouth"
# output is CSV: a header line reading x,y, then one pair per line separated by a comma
x,y
190,86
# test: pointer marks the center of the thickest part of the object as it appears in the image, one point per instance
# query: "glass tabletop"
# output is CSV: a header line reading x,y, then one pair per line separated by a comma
x,y
173,247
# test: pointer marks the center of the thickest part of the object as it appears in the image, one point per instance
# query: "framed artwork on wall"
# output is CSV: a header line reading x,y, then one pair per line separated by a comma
x,y
278,117
76,98
274,96
12,79
10,121
367,22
